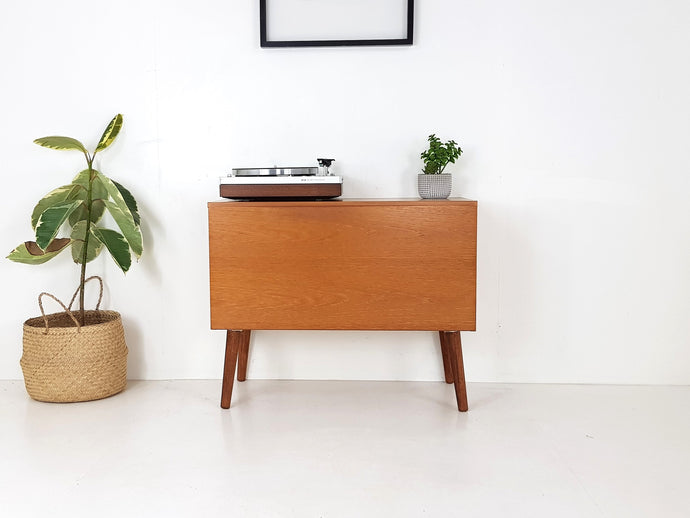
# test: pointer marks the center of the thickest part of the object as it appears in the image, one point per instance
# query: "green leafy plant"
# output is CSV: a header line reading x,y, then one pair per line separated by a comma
x,y
439,155
80,205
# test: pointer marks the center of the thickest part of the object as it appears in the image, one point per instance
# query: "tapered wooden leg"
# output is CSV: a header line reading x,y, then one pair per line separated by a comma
x,y
233,341
455,351
243,355
447,368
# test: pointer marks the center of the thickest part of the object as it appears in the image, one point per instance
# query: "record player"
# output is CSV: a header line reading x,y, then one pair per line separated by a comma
x,y
313,183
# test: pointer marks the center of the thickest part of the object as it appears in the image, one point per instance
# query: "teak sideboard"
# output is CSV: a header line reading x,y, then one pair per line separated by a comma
x,y
343,265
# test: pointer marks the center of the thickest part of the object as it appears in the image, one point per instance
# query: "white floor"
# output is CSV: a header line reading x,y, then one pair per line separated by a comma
x,y
348,449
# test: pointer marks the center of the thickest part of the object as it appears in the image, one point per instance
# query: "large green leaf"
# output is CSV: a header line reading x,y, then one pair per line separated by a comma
x,y
60,143
79,214
30,253
117,246
98,196
129,229
110,133
98,189
51,220
116,195
78,238
130,201
54,197
82,179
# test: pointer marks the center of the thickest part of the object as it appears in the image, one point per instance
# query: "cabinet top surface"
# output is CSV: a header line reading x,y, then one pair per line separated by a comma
x,y
344,201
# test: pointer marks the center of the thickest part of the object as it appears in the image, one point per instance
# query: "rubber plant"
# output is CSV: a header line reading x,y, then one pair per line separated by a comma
x,y
81,205
439,155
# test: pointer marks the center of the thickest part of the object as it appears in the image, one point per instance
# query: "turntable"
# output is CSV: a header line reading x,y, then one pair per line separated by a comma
x,y
313,183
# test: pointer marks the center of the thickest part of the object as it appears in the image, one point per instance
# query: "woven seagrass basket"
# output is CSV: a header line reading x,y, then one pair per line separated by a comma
x,y
65,362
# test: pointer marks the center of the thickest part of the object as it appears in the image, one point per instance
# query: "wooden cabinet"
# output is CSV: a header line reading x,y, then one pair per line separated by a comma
x,y
343,264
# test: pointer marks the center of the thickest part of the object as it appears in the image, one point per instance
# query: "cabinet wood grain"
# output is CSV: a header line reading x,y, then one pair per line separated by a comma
x,y
403,265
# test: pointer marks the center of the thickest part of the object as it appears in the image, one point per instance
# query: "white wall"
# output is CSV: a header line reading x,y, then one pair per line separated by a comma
x,y
574,118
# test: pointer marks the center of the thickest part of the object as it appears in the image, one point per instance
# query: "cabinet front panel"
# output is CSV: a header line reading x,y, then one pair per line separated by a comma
x,y
343,265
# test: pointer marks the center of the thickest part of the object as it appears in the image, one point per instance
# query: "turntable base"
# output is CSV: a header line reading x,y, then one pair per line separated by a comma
x,y
314,191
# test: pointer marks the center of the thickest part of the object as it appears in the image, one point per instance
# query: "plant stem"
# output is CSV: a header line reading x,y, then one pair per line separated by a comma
x,y
85,251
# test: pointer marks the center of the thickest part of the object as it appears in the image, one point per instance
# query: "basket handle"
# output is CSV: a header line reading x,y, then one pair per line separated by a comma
x,y
100,296
43,313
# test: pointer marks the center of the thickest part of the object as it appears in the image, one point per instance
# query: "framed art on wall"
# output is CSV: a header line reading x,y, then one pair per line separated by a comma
x,y
335,23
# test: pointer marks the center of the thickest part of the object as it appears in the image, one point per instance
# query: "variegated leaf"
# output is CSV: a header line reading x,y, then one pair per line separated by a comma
x,y
130,201
78,238
30,253
54,197
116,195
98,196
117,246
60,143
131,232
50,221
79,214
82,179
110,133
98,189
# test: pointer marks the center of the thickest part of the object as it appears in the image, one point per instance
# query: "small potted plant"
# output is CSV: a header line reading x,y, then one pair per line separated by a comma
x,y
80,355
433,182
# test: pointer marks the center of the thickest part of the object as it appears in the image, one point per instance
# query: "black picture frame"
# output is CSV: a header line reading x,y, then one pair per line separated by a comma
x,y
265,42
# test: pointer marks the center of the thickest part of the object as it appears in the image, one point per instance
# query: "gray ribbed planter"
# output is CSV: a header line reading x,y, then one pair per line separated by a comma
x,y
434,186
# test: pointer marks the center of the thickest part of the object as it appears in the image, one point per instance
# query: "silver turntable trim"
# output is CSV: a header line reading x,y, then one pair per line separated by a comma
x,y
280,180
274,171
